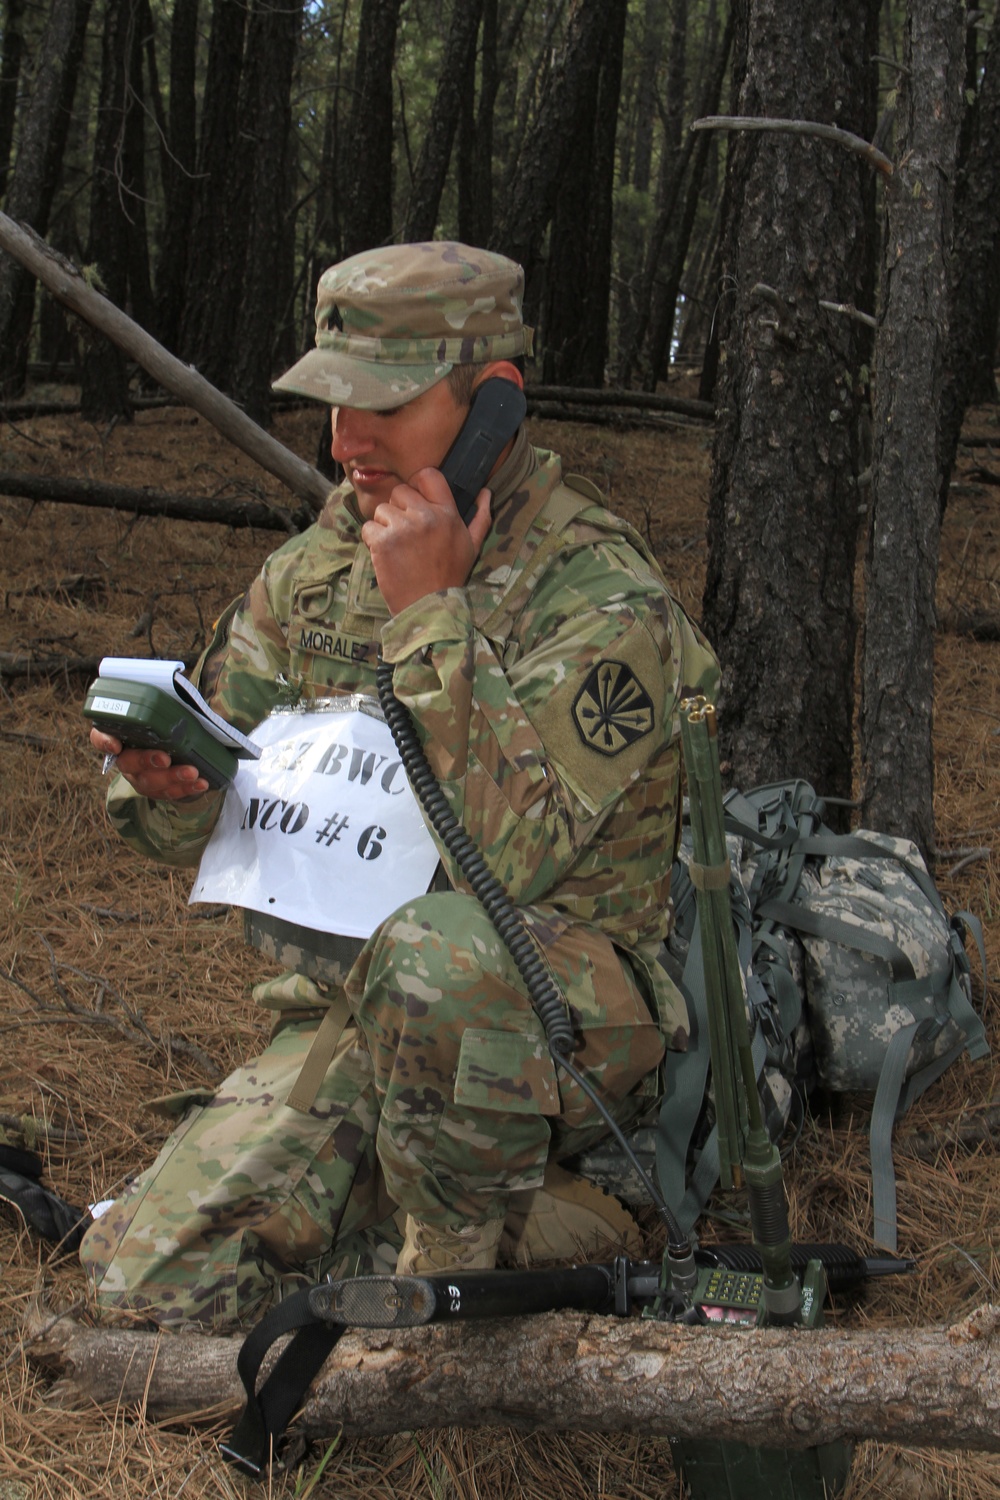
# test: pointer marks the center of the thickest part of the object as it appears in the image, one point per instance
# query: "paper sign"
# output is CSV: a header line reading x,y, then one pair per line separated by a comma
x,y
323,830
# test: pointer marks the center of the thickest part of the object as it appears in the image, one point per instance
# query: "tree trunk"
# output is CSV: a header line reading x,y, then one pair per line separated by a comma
x,y
578,280
133,147
30,193
632,208
367,187
266,125
544,154
897,773
205,339
664,295
475,139
974,264
782,523
458,65
178,161
11,53
104,382
580,1372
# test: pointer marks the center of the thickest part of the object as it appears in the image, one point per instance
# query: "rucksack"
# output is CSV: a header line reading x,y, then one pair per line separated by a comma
x,y
857,980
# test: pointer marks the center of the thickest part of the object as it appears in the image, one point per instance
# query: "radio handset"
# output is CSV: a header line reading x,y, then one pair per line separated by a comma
x,y
497,410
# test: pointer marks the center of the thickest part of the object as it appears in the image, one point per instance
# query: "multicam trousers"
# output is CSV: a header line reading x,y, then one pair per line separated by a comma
x,y
441,1098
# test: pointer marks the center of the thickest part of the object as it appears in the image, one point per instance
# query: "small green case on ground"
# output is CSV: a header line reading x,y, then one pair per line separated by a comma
x,y
146,718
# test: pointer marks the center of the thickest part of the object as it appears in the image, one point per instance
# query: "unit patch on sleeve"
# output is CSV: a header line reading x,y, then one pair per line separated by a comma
x,y
612,710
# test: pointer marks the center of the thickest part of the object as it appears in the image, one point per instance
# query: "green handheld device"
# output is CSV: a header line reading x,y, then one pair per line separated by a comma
x,y
150,705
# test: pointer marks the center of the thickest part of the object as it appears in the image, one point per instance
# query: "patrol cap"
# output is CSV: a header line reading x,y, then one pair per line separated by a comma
x,y
391,323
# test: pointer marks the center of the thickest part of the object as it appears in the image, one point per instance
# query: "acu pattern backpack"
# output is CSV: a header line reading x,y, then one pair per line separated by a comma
x,y
857,981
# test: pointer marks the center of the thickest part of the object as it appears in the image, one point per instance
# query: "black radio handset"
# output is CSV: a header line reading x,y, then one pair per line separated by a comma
x,y
496,412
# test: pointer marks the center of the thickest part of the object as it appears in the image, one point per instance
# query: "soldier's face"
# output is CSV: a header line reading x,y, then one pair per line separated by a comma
x,y
380,449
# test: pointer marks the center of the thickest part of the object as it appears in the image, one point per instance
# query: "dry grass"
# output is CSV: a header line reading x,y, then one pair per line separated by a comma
x,y
113,990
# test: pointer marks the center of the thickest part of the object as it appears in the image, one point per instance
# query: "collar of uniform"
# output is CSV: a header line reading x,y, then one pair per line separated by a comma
x,y
513,472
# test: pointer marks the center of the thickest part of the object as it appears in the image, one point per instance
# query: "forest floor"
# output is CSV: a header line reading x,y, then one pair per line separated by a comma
x,y
113,990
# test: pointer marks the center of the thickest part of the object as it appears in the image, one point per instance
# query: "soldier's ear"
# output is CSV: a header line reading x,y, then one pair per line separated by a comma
x,y
502,368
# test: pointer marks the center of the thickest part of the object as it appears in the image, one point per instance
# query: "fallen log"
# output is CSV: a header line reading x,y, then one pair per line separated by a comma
x,y
933,1386
619,417
581,395
969,1130
147,502
30,664
68,286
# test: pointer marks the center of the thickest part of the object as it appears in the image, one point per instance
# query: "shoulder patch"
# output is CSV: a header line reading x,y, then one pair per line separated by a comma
x,y
612,710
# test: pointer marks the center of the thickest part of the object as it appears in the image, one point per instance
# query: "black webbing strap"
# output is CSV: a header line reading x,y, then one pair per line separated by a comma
x,y
39,1207
269,1410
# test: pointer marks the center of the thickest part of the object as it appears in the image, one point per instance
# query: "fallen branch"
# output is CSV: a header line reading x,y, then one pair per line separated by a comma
x,y
856,144
972,1128
66,284
637,400
27,664
145,502
620,418
579,1372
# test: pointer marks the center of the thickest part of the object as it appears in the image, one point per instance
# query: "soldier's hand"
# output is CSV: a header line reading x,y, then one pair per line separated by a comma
x,y
419,542
151,772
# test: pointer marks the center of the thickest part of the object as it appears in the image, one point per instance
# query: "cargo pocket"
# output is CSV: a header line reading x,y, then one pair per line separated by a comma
x,y
507,1071
231,1202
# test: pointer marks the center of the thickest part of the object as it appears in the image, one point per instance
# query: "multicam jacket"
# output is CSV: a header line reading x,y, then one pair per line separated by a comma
x,y
545,692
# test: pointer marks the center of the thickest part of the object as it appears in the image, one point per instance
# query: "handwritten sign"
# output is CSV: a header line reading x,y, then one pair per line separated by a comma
x,y
323,830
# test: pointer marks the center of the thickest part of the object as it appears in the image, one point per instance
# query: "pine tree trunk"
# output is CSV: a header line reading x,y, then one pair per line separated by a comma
x,y
897,700
29,195
974,264
578,279
367,186
266,127
211,272
104,381
783,505
458,65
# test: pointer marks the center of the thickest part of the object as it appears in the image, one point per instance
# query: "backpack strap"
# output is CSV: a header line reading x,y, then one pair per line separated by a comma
x,y
790,914
895,1092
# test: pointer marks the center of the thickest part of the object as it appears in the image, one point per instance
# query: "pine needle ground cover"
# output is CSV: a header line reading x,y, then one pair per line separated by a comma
x,y
113,990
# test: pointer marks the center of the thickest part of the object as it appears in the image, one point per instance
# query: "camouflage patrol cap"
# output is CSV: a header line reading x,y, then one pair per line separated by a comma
x,y
392,322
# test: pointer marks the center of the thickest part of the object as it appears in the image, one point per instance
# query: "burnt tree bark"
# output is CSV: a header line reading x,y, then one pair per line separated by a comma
x,y
11,55
897,675
637,169
265,130
367,187
663,281
578,283
211,267
782,522
177,169
113,197
30,190
458,65
543,156
974,263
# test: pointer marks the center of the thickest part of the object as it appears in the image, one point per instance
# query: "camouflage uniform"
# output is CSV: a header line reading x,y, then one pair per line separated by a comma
x,y
545,693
